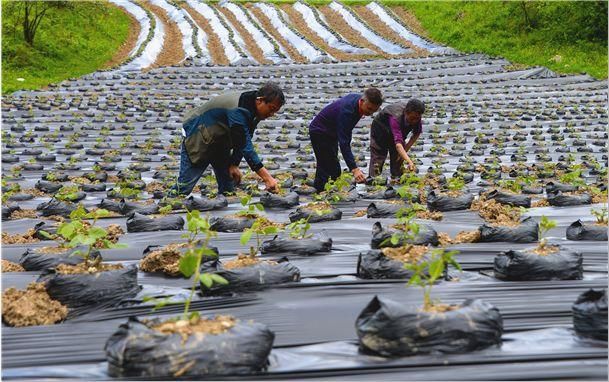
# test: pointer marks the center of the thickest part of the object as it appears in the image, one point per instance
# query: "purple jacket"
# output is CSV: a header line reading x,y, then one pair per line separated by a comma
x,y
337,121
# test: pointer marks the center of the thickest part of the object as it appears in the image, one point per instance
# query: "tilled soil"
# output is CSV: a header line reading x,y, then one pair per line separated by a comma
x,y
165,260
31,307
172,52
406,254
81,268
9,266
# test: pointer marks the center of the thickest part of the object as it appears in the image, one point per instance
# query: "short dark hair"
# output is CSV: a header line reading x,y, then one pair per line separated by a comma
x,y
415,105
373,95
270,92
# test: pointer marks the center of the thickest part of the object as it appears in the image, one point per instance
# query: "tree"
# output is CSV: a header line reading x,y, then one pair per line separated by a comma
x,y
31,13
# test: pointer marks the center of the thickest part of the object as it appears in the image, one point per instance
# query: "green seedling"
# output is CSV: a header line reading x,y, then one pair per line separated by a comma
x,y
425,273
298,229
545,225
336,190
512,185
190,262
455,184
601,215
408,229
75,233
67,193
573,177
249,209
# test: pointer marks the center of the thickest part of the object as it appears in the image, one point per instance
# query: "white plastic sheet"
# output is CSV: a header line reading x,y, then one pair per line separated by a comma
x,y
402,31
265,45
205,11
383,44
302,46
185,29
324,33
201,38
154,46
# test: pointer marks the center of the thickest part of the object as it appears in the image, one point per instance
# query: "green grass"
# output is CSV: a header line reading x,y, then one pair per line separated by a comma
x,y
497,28
70,42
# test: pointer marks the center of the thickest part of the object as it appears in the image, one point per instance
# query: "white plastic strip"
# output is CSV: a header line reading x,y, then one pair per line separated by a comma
x,y
201,38
302,46
265,45
236,36
205,11
402,31
324,33
185,29
383,44
141,17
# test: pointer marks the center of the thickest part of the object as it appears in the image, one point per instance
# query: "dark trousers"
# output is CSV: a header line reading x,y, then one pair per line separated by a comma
x,y
326,155
381,143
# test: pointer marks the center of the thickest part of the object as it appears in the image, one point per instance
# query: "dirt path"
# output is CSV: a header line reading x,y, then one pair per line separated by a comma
x,y
410,21
301,25
214,45
336,22
250,43
381,29
172,52
268,27
127,46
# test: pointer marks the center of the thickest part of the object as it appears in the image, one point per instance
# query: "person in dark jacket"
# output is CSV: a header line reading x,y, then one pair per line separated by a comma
x,y
219,133
333,128
388,134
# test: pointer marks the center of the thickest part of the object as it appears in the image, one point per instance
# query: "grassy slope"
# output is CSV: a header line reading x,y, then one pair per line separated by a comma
x,y
68,43
488,27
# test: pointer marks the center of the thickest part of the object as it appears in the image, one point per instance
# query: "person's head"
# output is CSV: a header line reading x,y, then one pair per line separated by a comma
x,y
413,111
269,99
370,101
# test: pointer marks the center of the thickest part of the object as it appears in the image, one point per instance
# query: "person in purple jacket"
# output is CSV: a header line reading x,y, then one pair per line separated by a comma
x,y
388,134
333,128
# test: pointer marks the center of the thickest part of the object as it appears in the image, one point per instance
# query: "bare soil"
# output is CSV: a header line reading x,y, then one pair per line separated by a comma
x,y
268,27
24,214
197,325
24,238
409,20
172,52
360,213
66,269
405,254
467,237
444,239
242,261
250,43
545,250
497,214
214,45
540,203
428,215
165,259
127,46
31,307
439,308
318,206
9,266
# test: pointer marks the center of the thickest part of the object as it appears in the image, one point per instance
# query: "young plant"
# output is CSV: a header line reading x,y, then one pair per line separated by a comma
x,y
67,193
545,225
408,229
190,262
601,215
336,190
573,177
511,184
249,209
455,184
76,232
425,273
298,229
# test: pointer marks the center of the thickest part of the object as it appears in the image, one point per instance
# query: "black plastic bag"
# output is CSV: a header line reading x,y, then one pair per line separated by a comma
x,y
305,213
559,199
255,277
389,329
8,210
33,260
126,208
56,207
304,247
509,199
580,231
20,197
269,200
85,292
553,187
381,237
137,222
48,187
230,223
383,210
205,204
110,205
50,228
93,187
387,193
526,232
375,265
532,190
527,266
590,314
135,350
442,203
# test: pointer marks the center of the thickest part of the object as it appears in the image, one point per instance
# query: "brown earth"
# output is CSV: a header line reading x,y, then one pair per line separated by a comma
x,y
268,27
127,46
165,259
540,203
497,214
336,22
250,43
198,325
24,214
406,254
429,215
214,45
9,266
25,238
81,268
31,307
545,250
409,20
172,52
444,239
242,261
467,237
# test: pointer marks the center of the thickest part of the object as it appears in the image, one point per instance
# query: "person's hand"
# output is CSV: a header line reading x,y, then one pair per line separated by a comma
x,y
359,175
235,173
272,185
410,166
